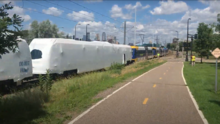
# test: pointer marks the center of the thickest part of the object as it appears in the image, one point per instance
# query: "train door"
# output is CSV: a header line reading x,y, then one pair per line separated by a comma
x,y
146,51
123,59
133,54
154,52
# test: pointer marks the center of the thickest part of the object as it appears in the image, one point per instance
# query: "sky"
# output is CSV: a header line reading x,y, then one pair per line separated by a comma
x,y
161,18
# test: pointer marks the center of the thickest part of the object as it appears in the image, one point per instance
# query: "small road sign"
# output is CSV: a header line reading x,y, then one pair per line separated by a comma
x,y
216,53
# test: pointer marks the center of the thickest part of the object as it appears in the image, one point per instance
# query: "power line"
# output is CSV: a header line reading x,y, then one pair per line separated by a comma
x,y
47,6
70,9
47,14
61,6
92,10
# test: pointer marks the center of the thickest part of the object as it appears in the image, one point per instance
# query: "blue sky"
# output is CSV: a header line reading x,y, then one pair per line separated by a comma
x,y
150,16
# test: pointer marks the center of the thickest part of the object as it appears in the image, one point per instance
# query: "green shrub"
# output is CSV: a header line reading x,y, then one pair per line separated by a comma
x,y
22,107
45,82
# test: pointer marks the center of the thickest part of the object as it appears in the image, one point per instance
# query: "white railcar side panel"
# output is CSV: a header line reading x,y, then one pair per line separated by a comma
x,y
41,55
16,66
68,54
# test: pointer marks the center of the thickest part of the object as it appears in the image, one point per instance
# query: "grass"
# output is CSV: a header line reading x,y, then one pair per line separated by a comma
x,y
68,97
201,82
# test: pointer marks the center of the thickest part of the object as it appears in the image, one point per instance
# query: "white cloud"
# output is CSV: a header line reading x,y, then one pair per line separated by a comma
x,y
215,6
204,1
138,5
132,24
145,7
170,7
27,27
53,11
200,15
20,12
25,17
116,12
81,16
7,1
129,6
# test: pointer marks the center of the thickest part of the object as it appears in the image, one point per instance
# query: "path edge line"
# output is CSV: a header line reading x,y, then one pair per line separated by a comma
x,y
87,111
194,101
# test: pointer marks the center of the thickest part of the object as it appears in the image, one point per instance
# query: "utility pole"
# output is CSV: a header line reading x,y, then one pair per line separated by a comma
x,y
187,38
124,32
191,47
135,28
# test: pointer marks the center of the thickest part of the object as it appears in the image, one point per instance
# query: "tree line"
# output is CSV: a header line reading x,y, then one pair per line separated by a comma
x,y
11,28
44,29
208,38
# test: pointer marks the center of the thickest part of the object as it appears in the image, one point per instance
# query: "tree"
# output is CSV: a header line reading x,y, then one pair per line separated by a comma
x,y
9,30
44,30
25,35
203,43
67,36
173,46
218,24
216,41
168,45
180,45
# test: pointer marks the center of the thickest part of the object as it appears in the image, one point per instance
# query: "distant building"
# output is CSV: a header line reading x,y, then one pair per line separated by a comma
x,y
115,38
110,39
84,37
103,36
97,37
175,40
88,36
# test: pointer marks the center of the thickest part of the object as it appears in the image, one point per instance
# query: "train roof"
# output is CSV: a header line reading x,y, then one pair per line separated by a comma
x,y
52,41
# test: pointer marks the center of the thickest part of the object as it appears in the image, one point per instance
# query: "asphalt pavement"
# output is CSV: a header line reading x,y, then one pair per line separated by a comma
x,y
158,97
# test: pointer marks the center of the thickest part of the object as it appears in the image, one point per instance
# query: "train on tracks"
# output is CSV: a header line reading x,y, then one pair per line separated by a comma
x,y
61,56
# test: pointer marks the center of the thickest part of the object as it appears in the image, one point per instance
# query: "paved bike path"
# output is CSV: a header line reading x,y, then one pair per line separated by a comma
x,y
158,97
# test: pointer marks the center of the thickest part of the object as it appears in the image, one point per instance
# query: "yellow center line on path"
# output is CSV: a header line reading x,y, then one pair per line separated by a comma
x,y
145,101
154,85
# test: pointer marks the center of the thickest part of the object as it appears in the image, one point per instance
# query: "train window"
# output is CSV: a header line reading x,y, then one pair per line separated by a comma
x,y
140,53
36,54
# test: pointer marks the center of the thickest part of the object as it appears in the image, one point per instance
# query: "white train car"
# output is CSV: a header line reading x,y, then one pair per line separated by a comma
x,y
60,55
14,67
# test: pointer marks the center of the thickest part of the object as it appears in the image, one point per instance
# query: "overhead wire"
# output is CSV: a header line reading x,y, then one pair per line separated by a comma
x,y
58,5
92,10
48,14
71,10
66,18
